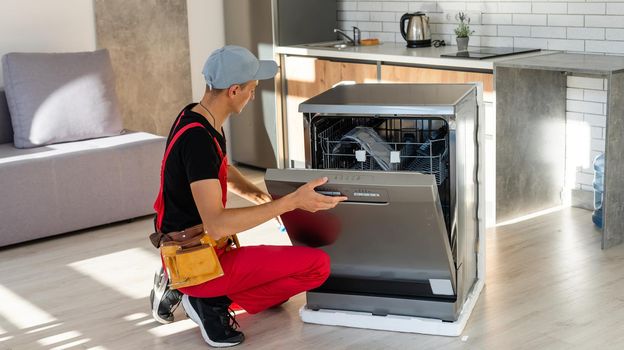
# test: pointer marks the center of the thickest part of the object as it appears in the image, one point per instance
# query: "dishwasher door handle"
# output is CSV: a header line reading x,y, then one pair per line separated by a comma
x,y
352,202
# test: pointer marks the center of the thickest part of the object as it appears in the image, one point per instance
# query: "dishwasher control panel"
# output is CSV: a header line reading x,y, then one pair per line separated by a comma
x,y
355,194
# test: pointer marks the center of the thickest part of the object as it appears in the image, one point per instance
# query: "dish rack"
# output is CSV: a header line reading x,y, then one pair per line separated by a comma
x,y
403,144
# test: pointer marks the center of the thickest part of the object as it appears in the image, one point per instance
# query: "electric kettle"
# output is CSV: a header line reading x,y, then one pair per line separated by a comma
x,y
417,33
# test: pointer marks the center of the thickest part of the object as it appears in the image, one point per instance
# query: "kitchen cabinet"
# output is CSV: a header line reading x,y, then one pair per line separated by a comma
x,y
405,74
306,77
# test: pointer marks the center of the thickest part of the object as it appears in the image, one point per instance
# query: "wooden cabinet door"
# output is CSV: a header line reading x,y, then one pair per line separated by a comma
x,y
306,77
402,74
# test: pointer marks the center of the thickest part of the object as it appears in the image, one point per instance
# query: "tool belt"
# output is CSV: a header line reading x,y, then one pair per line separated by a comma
x,y
190,255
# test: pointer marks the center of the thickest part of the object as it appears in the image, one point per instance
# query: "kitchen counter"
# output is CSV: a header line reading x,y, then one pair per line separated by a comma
x,y
398,53
568,62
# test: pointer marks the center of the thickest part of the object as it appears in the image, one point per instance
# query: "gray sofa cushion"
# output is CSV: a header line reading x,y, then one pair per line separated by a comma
x,y
70,186
60,97
6,131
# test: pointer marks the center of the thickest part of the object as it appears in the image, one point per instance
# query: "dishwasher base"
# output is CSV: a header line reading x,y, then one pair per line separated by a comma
x,y
395,323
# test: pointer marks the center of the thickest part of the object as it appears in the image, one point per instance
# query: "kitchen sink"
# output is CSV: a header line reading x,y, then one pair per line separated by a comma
x,y
338,44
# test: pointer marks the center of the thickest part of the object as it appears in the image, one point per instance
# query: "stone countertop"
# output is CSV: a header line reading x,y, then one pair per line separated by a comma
x,y
568,62
398,53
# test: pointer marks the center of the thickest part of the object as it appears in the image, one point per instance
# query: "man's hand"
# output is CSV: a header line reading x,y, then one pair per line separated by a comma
x,y
306,198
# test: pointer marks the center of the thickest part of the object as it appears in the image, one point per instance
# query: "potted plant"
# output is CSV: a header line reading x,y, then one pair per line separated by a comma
x,y
463,31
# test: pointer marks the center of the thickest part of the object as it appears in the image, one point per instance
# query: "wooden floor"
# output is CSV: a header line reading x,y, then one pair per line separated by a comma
x,y
548,286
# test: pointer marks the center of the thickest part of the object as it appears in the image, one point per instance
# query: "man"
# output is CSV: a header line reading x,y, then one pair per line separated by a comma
x,y
196,177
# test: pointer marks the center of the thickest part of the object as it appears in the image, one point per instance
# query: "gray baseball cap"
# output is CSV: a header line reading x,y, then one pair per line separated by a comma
x,y
231,65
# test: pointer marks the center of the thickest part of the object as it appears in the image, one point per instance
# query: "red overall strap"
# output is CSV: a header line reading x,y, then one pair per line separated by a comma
x,y
222,172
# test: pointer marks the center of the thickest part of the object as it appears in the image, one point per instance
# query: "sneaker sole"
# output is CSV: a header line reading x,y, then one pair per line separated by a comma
x,y
190,311
156,303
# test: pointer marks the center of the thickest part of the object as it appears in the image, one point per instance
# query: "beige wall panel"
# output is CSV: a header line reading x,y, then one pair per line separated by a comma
x,y
149,46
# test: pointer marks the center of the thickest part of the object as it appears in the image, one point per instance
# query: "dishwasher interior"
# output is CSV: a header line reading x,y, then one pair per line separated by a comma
x,y
406,242
385,143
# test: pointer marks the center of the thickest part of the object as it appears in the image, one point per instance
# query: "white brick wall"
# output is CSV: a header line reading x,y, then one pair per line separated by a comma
x,y
595,26
586,121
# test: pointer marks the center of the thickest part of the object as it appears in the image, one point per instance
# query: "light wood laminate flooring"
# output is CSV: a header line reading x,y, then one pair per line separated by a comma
x,y
548,286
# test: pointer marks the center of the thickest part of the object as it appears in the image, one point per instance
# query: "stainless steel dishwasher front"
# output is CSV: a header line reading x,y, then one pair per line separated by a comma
x,y
406,155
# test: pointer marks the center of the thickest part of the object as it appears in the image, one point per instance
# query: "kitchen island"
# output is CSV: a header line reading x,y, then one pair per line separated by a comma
x,y
531,134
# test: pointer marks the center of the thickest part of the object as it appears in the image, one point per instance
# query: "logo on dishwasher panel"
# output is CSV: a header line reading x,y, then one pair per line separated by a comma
x,y
365,193
346,178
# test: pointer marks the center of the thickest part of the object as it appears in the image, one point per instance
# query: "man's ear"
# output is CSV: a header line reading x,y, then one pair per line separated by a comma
x,y
233,90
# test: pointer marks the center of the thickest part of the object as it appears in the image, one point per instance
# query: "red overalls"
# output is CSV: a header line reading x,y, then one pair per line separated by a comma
x,y
255,277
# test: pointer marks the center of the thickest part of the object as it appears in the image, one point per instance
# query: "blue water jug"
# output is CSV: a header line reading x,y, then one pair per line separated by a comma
x,y
599,164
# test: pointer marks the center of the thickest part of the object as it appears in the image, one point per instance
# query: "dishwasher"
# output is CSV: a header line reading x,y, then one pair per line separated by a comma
x,y
406,249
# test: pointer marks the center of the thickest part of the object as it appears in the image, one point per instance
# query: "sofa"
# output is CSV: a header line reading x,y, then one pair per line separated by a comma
x,y
51,184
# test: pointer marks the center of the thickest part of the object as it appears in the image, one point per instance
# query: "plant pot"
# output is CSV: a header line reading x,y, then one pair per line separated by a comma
x,y
462,44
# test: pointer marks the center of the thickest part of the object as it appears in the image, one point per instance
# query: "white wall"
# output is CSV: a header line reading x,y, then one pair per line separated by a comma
x,y
589,26
46,26
206,33
69,25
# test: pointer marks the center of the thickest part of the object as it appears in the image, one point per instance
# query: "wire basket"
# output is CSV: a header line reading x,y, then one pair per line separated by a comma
x,y
418,146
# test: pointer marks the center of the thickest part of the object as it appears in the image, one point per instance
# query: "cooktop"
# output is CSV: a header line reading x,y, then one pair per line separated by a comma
x,y
488,52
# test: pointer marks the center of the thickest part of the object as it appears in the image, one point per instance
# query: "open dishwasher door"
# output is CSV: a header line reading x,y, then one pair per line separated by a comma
x,y
388,243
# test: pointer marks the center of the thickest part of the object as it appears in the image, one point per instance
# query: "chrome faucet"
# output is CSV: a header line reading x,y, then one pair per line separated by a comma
x,y
356,35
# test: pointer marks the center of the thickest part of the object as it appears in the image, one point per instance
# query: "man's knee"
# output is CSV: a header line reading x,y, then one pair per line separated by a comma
x,y
322,266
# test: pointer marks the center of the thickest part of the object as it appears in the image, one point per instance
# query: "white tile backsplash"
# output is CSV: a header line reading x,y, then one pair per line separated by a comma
x,y
585,83
586,106
514,7
496,18
514,30
588,33
566,20
586,8
347,6
548,32
612,47
384,17
394,6
535,20
595,120
422,6
604,21
615,8
595,96
597,133
369,6
595,26
566,45
550,7
575,94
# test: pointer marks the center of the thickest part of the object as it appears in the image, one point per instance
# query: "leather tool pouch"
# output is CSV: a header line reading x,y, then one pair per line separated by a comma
x,y
190,257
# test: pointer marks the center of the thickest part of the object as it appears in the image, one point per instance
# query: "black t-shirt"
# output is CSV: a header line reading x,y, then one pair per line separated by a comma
x,y
193,157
